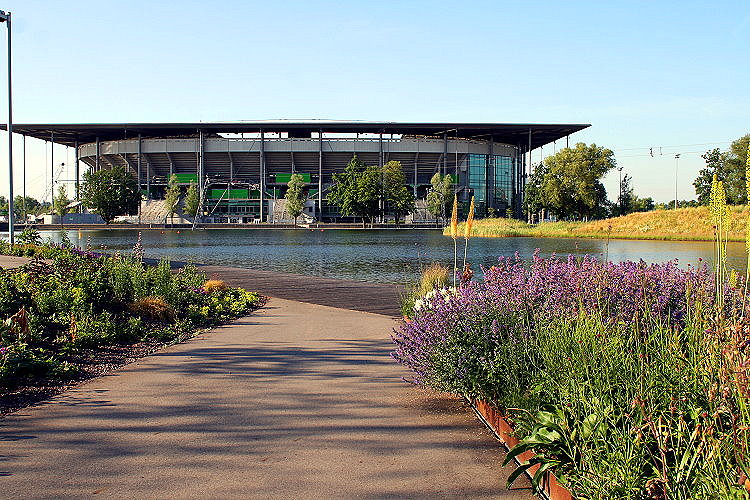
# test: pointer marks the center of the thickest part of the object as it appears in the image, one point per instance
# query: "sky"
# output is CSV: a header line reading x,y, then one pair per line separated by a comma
x,y
667,75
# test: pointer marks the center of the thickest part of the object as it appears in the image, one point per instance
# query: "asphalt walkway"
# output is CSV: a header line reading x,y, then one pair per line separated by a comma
x,y
295,401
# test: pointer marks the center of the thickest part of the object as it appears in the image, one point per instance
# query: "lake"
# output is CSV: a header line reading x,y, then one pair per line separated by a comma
x,y
373,255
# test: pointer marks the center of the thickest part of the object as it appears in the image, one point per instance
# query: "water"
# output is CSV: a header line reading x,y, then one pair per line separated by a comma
x,y
378,256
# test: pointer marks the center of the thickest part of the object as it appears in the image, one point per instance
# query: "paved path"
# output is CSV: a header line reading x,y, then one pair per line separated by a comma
x,y
295,401
378,298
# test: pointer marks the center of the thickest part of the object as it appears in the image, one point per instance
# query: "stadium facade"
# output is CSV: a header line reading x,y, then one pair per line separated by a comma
x,y
242,168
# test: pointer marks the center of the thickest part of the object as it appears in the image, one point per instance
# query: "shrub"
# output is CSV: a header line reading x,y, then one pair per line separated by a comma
x,y
434,277
84,300
215,285
153,308
620,377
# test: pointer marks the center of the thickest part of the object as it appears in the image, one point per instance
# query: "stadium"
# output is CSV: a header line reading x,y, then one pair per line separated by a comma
x,y
241,168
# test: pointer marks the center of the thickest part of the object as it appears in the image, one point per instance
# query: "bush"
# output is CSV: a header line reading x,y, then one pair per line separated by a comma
x,y
629,380
83,300
154,309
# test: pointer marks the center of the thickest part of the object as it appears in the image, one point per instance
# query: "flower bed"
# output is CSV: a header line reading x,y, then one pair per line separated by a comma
x,y
626,380
57,314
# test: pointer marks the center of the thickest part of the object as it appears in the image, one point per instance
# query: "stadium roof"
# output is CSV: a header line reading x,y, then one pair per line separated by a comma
x,y
509,133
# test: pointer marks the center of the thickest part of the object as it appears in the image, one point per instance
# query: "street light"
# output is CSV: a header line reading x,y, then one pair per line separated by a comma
x,y
5,18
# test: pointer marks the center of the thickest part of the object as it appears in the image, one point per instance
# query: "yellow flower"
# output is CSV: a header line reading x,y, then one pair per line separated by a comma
x,y
469,220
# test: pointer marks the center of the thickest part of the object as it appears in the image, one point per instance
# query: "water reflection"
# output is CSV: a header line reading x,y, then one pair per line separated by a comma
x,y
384,256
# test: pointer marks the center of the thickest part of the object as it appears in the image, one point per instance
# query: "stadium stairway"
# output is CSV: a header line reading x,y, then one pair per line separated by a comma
x,y
154,211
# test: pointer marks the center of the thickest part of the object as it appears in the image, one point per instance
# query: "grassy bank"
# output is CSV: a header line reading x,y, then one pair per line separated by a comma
x,y
691,224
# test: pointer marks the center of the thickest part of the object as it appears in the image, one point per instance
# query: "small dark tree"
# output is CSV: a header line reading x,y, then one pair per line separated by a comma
x,y
398,196
295,196
110,192
192,201
172,196
60,203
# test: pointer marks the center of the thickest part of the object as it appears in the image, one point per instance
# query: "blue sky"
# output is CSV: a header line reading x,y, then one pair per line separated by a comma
x,y
670,75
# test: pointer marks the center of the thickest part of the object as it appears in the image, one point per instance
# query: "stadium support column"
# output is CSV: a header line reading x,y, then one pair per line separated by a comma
x,y
522,186
320,175
416,163
262,168
489,184
52,167
138,165
445,152
201,165
382,188
77,168
96,165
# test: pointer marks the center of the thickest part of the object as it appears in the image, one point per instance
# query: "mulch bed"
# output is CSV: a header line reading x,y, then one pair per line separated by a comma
x,y
90,363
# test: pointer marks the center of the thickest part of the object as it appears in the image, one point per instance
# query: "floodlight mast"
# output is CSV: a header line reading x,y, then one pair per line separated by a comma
x,y
5,18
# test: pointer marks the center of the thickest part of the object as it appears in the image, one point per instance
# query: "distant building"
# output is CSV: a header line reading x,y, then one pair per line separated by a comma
x,y
242,168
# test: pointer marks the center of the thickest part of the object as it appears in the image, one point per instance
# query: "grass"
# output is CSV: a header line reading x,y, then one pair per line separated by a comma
x,y
689,224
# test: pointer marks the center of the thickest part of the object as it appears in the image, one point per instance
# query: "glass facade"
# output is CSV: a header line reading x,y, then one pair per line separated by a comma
x,y
503,185
497,191
478,177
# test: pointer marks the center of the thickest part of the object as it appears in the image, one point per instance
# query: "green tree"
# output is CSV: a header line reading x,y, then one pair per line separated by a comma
x,y
295,196
369,192
440,196
172,196
398,197
60,203
626,196
356,191
534,200
729,167
31,205
192,200
572,187
110,192
642,204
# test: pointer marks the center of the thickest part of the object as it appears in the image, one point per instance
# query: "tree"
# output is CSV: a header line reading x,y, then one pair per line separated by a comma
x,y
192,200
729,168
572,187
295,196
534,200
626,197
110,192
642,204
356,191
29,204
441,195
60,203
398,197
369,192
172,196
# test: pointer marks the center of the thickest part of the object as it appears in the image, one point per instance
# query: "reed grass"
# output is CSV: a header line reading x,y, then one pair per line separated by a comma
x,y
686,224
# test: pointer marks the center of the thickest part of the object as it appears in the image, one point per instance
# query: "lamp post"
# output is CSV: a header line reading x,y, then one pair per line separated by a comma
x,y
5,18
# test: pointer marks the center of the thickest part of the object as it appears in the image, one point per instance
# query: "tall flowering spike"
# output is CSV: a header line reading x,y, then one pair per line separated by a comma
x,y
712,199
454,218
722,209
469,220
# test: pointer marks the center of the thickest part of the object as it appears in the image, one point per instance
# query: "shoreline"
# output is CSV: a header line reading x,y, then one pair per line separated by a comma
x,y
592,236
165,227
